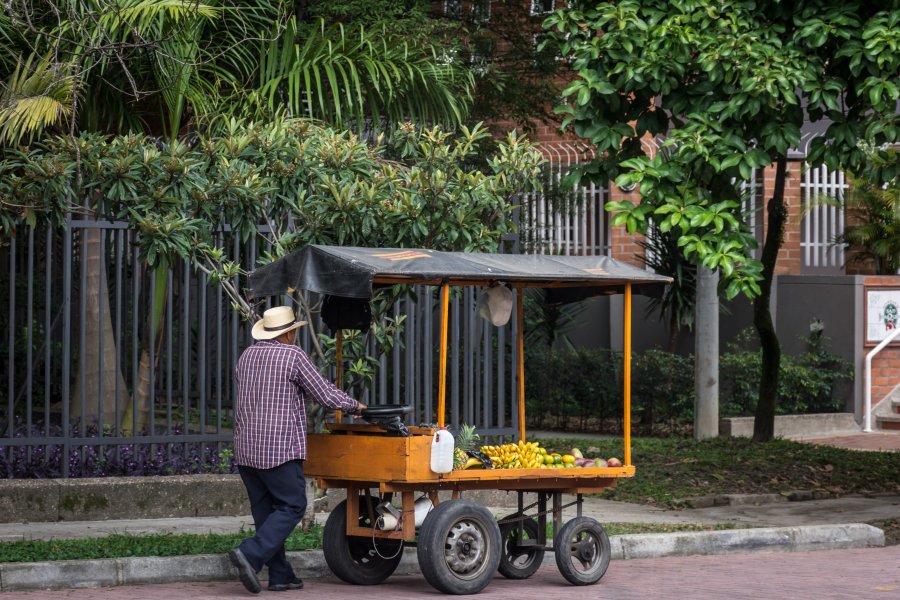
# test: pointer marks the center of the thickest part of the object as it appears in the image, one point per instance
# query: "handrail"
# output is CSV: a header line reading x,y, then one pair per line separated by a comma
x,y
869,357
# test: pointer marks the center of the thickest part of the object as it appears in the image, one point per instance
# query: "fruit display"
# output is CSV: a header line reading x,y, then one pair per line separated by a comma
x,y
524,455
531,455
466,439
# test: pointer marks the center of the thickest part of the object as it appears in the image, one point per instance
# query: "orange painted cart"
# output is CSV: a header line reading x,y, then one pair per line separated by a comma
x,y
460,544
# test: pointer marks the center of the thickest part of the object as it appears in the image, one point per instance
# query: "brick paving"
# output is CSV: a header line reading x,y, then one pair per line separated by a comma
x,y
828,574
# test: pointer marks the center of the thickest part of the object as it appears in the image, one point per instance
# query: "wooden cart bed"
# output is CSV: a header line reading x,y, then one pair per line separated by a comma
x,y
396,464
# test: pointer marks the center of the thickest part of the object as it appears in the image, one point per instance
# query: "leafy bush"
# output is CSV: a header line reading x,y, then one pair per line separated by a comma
x,y
572,387
582,389
662,388
806,384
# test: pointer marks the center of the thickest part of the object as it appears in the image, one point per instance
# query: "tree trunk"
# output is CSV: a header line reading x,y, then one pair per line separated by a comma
x,y
706,355
674,331
97,374
143,396
764,423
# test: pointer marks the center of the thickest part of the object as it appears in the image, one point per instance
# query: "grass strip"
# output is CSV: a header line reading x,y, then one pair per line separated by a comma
x,y
635,528
125,545
671,469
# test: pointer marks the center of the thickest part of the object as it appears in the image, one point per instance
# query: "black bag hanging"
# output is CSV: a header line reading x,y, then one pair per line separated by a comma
x,y
340,312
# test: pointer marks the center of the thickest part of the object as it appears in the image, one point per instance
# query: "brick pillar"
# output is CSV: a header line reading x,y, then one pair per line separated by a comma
x,y
790,259
623,245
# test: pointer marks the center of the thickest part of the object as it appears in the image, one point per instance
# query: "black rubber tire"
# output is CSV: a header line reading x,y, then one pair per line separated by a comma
x,y
459,547
386,410
356,559
582,551
525,564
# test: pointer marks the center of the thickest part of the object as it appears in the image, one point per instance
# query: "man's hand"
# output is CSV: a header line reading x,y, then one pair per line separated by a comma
x,y
359,408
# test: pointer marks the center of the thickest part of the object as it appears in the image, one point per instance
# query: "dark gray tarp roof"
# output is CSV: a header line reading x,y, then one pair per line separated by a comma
x,y
352,272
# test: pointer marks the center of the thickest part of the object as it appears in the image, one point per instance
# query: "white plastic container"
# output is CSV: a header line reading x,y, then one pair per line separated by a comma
x,y
442,446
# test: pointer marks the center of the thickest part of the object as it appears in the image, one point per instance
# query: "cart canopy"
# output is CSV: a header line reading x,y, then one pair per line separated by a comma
x,y
354,272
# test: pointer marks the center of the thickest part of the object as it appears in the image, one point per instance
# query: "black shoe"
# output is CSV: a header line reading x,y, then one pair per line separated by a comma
x,y
295,584
245,570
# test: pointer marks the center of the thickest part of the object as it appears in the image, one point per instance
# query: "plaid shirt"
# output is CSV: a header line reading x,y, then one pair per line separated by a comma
x,y
273,381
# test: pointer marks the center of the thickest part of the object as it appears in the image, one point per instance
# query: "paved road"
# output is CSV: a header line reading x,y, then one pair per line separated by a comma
x,y
828,574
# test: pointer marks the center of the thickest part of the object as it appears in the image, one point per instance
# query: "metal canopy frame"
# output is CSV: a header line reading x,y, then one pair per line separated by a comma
x,y
601,274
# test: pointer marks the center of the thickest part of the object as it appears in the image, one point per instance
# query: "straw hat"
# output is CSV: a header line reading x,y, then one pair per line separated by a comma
x,y
495,305
275,322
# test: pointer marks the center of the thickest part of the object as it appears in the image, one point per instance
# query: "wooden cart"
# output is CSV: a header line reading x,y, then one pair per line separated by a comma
x,y
460,544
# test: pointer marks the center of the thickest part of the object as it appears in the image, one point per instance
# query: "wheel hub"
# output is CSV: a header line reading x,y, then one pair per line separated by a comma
x,y
465,550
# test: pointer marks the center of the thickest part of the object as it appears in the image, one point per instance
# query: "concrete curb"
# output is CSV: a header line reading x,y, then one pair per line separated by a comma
x,y
148,570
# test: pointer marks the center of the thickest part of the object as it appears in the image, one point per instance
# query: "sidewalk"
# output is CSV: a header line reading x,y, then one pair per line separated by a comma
x,y
800,526
746,511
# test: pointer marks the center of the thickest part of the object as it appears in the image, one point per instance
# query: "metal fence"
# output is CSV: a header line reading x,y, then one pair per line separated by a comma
x,y
85,372
81,359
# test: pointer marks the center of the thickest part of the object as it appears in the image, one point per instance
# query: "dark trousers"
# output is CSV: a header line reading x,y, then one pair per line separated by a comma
x,y
277,502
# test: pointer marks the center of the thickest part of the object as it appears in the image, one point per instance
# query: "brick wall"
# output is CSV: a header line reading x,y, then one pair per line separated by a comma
x,y
623,245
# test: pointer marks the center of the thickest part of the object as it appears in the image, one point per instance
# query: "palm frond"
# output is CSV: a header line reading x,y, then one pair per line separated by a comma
x,y
38,94
341,77
127,17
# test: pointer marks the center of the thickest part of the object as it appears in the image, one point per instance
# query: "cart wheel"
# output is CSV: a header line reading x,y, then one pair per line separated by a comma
x,y
519,565
582,551
354,559
459,547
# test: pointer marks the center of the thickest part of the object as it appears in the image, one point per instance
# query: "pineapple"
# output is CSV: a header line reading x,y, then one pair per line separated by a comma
x,y
466,439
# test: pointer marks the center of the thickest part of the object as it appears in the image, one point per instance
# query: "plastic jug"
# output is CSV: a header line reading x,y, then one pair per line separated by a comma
x,y
442,451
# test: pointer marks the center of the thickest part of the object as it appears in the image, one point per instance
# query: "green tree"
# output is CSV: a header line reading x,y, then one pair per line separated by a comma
x,y
873,230
729,85
872,208
493,41
664,256
306,183
159,66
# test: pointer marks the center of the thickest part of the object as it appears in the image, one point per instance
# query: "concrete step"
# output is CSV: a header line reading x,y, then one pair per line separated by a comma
x,y
794,426
895,405
888,422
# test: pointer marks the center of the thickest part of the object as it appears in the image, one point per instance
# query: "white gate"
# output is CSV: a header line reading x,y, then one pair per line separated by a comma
x,y
564,221
822,192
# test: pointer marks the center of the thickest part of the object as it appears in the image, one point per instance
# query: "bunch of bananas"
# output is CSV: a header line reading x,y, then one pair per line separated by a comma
x,y
524,455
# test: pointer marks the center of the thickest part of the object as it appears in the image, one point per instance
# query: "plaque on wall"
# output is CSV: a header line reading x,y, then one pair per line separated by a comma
x,y
882,313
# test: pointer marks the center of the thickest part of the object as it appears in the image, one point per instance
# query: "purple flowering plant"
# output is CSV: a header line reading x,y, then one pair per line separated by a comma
x,y
98,459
